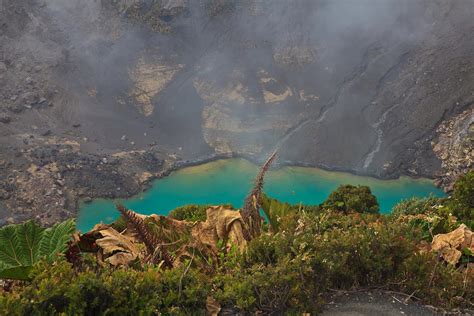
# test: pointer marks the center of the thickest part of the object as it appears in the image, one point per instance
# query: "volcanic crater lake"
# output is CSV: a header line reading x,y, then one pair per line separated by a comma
x,y
229,181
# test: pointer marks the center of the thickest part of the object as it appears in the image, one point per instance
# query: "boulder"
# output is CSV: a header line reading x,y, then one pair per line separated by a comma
x,y
29,98
4,118
452,245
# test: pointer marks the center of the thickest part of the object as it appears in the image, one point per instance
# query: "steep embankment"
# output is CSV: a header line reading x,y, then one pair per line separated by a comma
x,y
98,97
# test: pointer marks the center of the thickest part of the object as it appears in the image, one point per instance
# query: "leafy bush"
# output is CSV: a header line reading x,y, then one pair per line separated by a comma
x,y
58,288
272,289
436,283
360,250
192,212
462,199
349,198
355,250
415,206
442,215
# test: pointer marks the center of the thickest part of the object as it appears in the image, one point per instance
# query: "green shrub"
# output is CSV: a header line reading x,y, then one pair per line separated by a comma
x,y
277,288
436,283
191,212
354,251
440,211
415,206
58,289
364,255
462,199
267,250
349,198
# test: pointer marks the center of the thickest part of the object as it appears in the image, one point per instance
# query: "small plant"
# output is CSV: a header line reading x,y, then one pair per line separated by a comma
x,y
275,210
23,245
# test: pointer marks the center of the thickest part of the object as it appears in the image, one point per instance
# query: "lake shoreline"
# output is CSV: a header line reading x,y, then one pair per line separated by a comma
x,y
256,160
186,163
290,182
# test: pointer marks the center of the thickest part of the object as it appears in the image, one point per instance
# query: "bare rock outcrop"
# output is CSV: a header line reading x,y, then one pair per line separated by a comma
x,y
452,245
454,146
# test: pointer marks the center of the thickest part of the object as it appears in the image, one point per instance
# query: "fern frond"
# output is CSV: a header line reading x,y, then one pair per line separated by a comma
x,y
150,240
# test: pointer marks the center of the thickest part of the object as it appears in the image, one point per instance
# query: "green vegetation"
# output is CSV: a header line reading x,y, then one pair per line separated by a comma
x,y
346,199
415,206
462,200
349,198
288,269
275,210
192,212
94,290
22,246
442,211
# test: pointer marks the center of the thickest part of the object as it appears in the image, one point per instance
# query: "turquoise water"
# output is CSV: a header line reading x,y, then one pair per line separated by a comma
x,y
228,181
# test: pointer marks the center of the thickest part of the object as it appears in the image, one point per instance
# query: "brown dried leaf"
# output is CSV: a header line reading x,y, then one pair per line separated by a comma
x,y
121,258
180,237
221,224
115,248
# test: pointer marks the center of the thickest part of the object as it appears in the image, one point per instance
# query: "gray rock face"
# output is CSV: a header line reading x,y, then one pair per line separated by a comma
x,y
4,118
359,86
454,146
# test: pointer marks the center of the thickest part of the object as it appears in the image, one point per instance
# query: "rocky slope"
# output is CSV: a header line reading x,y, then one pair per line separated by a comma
x,y
98,97
454,146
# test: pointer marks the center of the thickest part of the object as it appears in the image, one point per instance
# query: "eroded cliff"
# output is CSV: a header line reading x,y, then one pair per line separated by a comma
x,y
98,97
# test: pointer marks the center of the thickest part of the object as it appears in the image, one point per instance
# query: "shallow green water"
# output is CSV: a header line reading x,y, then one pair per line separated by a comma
x,y
228,181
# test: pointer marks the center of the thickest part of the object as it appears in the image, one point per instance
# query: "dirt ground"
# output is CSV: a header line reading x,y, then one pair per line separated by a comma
x,y
376,303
